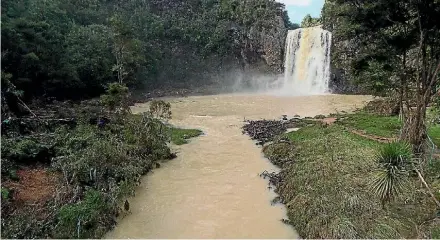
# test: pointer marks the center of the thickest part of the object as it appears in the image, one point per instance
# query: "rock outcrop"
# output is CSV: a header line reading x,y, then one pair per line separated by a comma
x,y
236,38
268,43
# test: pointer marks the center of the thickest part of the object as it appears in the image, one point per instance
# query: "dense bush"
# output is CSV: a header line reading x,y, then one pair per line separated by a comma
x,y
96,163
94,156
84,219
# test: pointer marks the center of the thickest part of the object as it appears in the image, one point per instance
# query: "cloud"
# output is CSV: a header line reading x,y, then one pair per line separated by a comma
x,y
296,2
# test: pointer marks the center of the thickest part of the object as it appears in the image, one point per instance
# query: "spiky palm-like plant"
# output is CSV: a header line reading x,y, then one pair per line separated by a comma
x,y
394,160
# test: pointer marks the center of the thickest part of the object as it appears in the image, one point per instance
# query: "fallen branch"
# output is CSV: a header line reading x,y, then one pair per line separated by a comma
x,y
24,105
45,119
427,187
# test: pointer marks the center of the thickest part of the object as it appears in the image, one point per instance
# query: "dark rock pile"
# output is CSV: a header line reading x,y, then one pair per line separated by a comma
x,y
274,178
266,130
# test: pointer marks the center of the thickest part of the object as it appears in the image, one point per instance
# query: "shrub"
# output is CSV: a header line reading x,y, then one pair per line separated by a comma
x,y
160,109
390,179
116,98
81,219
5,193
24,151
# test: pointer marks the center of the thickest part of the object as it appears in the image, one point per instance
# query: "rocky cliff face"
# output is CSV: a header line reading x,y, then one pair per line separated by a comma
x,y
341,53
267,44
228,36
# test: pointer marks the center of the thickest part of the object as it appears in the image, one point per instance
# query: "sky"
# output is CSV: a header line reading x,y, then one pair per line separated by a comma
x,y
297,9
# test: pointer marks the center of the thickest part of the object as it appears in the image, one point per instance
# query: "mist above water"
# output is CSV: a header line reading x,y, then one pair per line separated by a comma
x,y
306,67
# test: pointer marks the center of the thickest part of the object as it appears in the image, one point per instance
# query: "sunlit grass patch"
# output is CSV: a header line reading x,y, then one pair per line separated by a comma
x,y
434,134
180,136
383,126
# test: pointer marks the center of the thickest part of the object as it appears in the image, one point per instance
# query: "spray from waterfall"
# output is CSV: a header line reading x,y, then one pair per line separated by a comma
x,y
307,61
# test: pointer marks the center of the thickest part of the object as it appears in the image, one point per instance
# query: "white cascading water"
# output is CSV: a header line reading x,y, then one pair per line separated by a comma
x,y
307,61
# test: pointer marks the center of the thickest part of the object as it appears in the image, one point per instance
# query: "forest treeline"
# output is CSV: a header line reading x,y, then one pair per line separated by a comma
x,y
73,48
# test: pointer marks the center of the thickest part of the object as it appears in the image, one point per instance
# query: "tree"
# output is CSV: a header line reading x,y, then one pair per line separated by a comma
x,y
160,110
116,98
427,64
126,49
309,21
89,52
391,44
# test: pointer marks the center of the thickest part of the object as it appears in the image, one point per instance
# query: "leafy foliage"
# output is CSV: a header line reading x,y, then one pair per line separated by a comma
x,y
99,158
25,151
97,166
308,21
82,217
378,44
5,193
116,98
160,109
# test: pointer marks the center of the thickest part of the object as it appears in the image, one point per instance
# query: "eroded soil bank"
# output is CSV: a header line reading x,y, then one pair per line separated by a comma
x,y
213,189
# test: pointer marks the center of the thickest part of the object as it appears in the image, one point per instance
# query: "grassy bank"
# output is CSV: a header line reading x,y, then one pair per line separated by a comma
x,y
180,136
386,126
325,182
72,181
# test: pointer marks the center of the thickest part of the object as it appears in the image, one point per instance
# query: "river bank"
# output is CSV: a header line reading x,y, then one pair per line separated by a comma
x,y
218,173
68,171
213,188
326,174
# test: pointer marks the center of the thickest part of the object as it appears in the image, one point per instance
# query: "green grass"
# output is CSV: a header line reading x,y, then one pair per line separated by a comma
x,y
327,194
388,127
180,136
5,193
383,126
434,134
436,233
432,115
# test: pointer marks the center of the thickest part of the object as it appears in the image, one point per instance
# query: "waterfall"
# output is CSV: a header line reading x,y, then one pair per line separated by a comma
x,y
307,61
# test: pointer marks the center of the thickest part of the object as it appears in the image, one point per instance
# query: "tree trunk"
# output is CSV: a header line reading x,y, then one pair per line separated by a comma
x,y
414,127
402,88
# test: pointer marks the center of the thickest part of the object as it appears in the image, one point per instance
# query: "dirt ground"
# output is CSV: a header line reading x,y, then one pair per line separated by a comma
x,y
36,186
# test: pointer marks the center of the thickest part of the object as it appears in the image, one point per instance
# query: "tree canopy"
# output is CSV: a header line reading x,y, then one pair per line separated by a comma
x,y
73,48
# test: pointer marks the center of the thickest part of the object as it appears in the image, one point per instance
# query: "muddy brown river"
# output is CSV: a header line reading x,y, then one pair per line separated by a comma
x,y
212,189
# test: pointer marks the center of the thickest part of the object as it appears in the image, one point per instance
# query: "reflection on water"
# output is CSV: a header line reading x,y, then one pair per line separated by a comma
x,y
212,189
